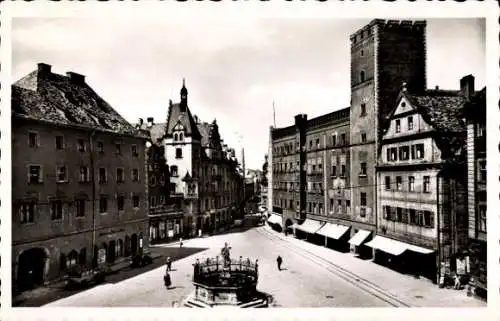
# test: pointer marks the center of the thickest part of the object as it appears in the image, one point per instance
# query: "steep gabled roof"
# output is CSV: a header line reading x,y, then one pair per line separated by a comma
x,y
65,100
204,129
187,120
156,132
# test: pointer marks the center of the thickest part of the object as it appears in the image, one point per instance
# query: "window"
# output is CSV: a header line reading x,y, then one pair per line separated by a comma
x,y
363,109
178,153
135,175
35,174
134,151
290,204
162,180
62,175
362,76
387,182
84,174
410,123
404,153
427,184
103,204
392,154
120,176
399,183
181,136
80,208
331,204
399,214
417,151
482,218
320,205
118,148
120,202
480,130
317,143
348,206
56,210
482,171
362,52
28,213
363,169
398,125
334,171
100,147
59,142
135,201
342,139
413,216
363,137
152,180
411,184
103,177
80,145
428,219
363,199
334,140
342,172
33,140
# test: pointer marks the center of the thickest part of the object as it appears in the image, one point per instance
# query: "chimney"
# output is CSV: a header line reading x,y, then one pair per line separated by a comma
x,y
467,86
75,78
141,121
44,69
150,121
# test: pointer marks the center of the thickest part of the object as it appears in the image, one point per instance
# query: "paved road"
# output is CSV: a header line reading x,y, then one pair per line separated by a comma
x,y
304,282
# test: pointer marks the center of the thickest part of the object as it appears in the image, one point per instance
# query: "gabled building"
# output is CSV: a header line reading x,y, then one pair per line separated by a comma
x,y
422,221
79,193
202,170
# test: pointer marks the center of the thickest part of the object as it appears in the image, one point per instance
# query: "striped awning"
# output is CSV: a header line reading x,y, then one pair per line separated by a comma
x,y
334,231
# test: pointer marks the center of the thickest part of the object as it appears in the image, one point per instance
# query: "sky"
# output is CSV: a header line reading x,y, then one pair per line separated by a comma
x,y
234,70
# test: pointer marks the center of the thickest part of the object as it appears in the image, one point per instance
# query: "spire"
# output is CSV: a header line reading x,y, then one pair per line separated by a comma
x,y
184,94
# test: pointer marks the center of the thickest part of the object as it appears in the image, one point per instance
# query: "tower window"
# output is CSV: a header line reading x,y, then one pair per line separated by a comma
x,y
362,53
363,109
362,76
178,153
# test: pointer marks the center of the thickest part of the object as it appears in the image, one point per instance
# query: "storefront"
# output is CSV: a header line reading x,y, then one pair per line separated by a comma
x,y
165,228
358,244
307,229
335,236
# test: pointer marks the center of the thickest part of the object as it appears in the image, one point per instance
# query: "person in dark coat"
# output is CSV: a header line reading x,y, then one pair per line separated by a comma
x,y
169,264
279,260
168,281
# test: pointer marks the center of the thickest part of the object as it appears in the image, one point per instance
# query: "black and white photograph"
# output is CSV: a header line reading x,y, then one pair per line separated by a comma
x,y
251,161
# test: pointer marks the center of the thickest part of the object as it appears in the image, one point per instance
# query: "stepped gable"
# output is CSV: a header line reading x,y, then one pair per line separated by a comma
x,y
65,100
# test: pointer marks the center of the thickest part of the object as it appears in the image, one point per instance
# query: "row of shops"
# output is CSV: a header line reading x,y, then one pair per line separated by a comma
x,y
400,256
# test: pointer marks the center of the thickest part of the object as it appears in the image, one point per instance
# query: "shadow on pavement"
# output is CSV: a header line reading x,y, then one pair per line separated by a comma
x,y
46,294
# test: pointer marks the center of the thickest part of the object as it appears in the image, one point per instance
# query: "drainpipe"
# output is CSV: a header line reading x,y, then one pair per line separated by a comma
x,y
92,178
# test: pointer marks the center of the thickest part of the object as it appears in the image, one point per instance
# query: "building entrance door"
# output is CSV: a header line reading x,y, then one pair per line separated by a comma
x,y
31,267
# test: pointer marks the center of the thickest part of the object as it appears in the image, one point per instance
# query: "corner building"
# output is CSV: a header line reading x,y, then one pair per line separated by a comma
x,y
79,185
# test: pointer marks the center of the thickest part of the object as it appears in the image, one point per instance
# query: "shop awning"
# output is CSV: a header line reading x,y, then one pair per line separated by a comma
x,y
334,231
274,219
395,247
309,226
359,237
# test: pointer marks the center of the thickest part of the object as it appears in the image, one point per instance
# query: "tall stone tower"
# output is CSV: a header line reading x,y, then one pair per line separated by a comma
x,y
384,54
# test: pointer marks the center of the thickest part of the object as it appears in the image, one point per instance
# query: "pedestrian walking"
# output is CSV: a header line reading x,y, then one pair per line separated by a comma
x,y
180,242
169,264
167,280
458,285
279,260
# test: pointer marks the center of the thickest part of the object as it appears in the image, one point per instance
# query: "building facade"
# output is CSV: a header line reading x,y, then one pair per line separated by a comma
x,y
78,179
165,213
203,175
476,187
324,177
421,201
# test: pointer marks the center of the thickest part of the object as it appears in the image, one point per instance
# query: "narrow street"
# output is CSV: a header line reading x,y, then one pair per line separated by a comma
x,y
312,277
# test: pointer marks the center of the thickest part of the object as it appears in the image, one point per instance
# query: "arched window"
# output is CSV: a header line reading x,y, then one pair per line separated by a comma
x,y
181,136
176,137
362,76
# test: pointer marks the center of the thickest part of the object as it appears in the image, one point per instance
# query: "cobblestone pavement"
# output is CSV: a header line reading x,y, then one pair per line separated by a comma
x,y
306,281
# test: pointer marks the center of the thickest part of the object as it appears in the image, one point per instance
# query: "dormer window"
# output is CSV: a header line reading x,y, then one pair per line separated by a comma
x,y
178,133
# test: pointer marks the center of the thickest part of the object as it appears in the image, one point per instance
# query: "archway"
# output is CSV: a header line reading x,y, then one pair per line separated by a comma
x,y
134,243
31,266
